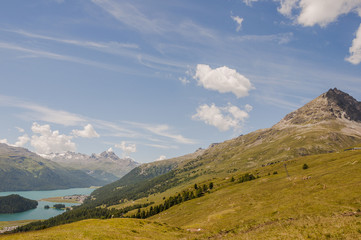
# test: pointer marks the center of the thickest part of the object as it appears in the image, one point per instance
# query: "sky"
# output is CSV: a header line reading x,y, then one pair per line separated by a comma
x,y
159,79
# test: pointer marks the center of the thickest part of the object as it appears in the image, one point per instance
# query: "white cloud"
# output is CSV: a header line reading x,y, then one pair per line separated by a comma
x,y
248,107
126,148
239,22
139,19
95,45
355,49
46,141
59,57
125,129
22,140
287,6
110,149
164,131
162,157
161,146
42,113
321,12
249,2
281,38
87,132
184,80
223,118
21,130
130,15
223,80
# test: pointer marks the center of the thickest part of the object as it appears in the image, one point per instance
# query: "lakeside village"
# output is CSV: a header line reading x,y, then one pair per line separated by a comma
x,y
76,197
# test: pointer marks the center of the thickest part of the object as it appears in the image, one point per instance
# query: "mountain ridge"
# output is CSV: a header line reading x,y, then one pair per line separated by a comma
x,y
319,134
106,166
22,170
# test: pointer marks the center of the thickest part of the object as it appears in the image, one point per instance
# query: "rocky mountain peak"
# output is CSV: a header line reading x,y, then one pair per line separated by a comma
x,y
109,154
344,102
331,105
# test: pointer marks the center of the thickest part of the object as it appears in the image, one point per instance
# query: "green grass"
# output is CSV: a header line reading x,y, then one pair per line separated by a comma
x,y
107,229
321,202
14,223
333,190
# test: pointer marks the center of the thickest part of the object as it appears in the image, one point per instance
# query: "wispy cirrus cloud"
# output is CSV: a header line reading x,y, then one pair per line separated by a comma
x,y
130,15
60,57
125,50
91,44
36,112
163,130
137,19
280,38
133,130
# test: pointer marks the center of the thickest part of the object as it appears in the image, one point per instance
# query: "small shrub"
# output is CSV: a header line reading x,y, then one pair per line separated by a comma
x,y
305,166
275,172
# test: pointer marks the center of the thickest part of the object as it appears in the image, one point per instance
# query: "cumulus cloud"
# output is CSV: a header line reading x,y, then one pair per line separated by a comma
x,y
287,6
126,148
46,141
22,140
87,132
162,157
239,22
321,12
355,49
223,80
223,118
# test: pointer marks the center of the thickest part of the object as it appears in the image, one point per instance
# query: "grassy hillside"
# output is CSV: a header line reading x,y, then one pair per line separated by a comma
x,y
244,153
321,202
106,229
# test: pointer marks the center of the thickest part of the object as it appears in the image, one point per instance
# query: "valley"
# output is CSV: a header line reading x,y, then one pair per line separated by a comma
x,y
305,184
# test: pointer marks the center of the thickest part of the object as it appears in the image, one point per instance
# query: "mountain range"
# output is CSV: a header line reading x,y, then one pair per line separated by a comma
x,y
106,166
293,180
23,170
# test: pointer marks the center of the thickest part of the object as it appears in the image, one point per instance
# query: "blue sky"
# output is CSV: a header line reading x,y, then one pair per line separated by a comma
x,y
159,79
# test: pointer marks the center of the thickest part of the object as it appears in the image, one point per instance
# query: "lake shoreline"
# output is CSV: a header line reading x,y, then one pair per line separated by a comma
x,y
43,197
59,200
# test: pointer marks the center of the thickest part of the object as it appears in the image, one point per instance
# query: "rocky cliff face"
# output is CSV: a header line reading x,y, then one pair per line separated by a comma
x,y
331,105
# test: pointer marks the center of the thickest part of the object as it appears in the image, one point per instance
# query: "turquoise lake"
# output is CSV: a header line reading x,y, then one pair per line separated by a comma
x,y
40,212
